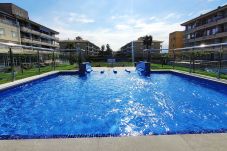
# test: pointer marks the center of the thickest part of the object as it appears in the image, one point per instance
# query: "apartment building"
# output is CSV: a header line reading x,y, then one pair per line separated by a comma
x,y
16,27
139,48
176,40
209,28
88,47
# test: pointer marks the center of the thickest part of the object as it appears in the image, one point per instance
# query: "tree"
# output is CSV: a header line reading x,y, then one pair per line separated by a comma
x,y
72,57
147,42
102,50
109,51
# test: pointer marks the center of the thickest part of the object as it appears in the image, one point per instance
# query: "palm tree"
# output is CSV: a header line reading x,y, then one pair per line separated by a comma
x,y
147,42
102,50
109,51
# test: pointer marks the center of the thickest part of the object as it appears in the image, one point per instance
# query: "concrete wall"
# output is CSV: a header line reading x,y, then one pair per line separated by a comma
x,y
8,37
176,40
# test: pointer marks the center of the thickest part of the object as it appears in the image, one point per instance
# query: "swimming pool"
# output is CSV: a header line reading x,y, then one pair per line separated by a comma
x,y
108,104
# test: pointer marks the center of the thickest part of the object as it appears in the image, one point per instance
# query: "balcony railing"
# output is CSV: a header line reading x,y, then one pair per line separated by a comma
x,y
218,22
217,35
29,40
27,30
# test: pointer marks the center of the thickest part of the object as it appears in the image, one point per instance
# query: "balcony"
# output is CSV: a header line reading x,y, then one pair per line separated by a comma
x,y
218,22
27,30
49,37
29,40
217,35
8,22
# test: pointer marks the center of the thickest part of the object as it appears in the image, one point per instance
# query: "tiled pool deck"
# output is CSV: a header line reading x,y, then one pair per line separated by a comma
x,y
190,142
201,142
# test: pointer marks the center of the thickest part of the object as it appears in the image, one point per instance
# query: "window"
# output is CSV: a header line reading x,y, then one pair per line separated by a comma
x,y
188,37
2,31
14,34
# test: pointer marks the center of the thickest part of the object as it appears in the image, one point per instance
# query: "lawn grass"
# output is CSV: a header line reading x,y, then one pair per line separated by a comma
x,y
198,71
6,77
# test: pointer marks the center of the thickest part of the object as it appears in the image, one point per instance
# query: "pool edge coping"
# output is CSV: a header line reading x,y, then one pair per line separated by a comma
x,y
223,81
15,83
9,85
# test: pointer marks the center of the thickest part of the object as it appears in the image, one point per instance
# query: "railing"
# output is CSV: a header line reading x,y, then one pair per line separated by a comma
x,y
218,22
32,41
25,29
203,58
217,35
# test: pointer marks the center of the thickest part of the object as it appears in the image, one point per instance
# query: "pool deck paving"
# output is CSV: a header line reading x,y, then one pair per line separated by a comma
x,y
187,142
191,142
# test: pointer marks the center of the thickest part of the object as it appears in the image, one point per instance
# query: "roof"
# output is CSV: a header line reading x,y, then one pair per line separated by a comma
x,y
74,40
77,41
205,15
177,32
35,23
156,41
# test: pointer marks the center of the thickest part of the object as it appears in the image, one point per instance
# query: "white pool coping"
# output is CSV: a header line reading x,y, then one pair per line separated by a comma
x,y
188,142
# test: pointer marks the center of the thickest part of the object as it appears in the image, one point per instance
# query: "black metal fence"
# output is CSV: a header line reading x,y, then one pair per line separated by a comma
x,y
209,60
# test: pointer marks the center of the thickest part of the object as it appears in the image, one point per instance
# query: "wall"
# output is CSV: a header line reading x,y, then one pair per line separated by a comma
x,y
7,37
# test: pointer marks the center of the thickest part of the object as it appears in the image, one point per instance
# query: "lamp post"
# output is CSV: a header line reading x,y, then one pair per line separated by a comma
x,y
133,57
79,54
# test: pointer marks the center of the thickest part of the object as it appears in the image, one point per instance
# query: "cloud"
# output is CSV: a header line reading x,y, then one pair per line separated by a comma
x,y
79,18
122,27
124,32
71,17
117,29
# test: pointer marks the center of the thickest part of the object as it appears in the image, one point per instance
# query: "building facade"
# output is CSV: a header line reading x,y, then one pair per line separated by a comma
x,y
176,40
16,27
88,47
209,28
138,46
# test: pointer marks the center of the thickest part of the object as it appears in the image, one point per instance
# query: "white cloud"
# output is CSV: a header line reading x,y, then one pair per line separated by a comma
x,y
120,30
71,17
79,18
124,33
122,27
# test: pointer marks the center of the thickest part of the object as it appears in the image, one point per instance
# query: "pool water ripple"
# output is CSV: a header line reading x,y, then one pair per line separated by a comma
x,y
120,104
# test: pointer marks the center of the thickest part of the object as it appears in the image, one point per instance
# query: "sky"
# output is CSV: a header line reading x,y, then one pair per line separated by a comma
x,y
115,22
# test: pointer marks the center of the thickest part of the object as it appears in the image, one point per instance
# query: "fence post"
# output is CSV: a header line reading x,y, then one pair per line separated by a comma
x,y
11,63
190,70
38,60
220,62
54,60
174,58
193,61
21,65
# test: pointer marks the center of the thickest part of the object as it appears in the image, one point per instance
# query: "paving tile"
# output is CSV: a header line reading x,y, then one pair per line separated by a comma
x,y
144,143
207,142
50,145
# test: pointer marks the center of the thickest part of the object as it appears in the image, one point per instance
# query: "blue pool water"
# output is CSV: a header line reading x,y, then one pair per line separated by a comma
x,y
113,104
